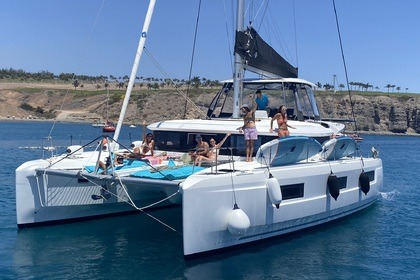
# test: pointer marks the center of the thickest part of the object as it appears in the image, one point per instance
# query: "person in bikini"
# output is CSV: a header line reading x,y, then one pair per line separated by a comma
x,y
213,151
249,128
148,144
281,118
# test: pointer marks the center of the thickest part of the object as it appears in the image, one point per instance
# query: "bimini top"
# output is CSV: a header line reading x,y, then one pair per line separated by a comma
x,y
249,82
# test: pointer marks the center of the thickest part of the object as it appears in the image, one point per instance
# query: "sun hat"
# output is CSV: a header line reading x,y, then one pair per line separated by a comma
x,y
245,106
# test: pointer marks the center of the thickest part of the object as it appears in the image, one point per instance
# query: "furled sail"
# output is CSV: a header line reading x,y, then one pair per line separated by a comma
x,y
259,57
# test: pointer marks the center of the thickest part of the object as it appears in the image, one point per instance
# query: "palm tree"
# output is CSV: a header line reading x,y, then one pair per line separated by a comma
x,y
328,87
196,81
393,86
75,84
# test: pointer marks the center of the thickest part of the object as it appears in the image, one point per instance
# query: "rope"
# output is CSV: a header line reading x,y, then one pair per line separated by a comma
x,y
130,202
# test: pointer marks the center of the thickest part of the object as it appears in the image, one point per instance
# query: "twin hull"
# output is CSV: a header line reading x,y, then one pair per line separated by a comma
x,y
51,195
208,198
208,201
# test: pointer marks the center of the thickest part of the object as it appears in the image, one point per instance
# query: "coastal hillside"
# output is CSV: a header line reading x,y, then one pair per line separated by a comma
x,y
375,113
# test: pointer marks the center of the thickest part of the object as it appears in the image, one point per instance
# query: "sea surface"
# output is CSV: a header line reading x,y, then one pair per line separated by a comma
x,y
381,242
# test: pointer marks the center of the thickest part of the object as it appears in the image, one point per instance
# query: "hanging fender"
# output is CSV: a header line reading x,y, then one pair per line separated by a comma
x,y
238,221
274,191
333,186
364,183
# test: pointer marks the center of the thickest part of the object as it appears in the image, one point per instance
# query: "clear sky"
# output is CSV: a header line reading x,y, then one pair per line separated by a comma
x,y
381,39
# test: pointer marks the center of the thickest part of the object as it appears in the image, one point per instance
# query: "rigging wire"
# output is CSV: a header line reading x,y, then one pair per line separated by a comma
x,y
192,55
258,11
80,60
345,67
295,30
272,28
166,76
228,38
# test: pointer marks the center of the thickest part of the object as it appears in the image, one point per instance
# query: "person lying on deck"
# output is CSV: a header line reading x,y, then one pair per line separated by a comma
x,y
131,155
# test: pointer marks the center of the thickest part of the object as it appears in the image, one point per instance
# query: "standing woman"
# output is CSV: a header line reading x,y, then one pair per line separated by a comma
x,y
249,128
281,118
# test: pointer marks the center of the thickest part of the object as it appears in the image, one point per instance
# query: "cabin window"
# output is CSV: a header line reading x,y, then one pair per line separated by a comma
x,y
170,141
185,141
304,103
292,191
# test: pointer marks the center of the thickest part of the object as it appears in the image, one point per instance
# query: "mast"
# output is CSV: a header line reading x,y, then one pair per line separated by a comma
x,y
238,76
140,47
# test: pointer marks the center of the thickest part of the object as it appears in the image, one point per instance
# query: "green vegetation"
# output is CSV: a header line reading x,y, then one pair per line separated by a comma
x,y
371,93
100,82
361,87
115,86
38,111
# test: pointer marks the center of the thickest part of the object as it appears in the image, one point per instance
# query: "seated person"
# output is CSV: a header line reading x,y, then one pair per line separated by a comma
x,y
119,160
201,149
213,152
148,144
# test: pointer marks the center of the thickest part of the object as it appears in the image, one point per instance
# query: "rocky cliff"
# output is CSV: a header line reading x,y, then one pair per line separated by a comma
x,y
379,113
375,113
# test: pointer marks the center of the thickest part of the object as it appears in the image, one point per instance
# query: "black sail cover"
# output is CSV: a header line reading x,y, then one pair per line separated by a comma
x,y
256,53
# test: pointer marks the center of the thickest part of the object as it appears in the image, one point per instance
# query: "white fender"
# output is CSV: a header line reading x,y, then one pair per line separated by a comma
x,y
274,191
238,222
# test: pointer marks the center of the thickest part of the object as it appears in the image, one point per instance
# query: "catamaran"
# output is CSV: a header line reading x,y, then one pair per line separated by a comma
x,y
292,183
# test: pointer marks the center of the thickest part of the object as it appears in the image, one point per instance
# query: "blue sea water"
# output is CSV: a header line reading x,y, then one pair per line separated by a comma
x,y
382,242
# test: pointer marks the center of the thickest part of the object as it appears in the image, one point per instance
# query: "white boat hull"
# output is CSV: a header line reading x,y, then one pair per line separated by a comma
x,y
45,196
208,201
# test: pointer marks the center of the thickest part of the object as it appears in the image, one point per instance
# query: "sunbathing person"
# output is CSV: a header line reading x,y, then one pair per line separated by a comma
x,y
136,153
148,144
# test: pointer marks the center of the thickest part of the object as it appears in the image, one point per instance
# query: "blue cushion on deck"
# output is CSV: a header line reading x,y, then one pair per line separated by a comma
x,y
169,174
